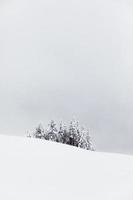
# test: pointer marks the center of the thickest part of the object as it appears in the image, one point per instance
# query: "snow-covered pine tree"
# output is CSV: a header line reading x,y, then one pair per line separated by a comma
x,y
61,133
88,141
71,133
82,141
85,140
39,132
74,133
78,135
52,132
66,136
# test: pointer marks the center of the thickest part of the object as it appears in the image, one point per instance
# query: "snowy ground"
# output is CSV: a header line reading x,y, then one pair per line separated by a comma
x,y
32,169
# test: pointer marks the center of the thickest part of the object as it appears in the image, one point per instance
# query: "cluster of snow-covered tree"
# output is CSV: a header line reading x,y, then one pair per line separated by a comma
x,y
72,135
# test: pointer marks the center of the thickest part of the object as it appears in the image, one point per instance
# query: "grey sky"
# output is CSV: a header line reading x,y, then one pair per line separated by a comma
x,y
60,59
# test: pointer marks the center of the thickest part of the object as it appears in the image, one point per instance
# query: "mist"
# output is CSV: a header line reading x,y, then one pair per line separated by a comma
x,y
64,59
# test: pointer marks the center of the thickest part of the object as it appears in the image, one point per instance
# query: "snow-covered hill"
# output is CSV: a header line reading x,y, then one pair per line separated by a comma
x,y
32,169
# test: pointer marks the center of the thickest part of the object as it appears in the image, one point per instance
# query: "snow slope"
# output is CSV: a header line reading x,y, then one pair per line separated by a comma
x,y
32,169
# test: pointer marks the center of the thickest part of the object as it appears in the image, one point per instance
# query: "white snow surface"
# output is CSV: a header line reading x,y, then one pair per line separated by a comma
x,y
33,169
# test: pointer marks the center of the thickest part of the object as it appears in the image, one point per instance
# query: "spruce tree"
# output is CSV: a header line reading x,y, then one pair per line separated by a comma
x,y
52,132
39,132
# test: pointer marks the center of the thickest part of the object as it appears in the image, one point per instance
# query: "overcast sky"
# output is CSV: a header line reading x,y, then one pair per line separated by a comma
x,y
66,58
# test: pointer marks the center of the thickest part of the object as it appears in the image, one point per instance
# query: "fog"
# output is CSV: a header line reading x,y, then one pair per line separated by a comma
x,y
64,59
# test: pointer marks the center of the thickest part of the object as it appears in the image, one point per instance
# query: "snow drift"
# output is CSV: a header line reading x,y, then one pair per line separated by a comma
x,y
33,169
